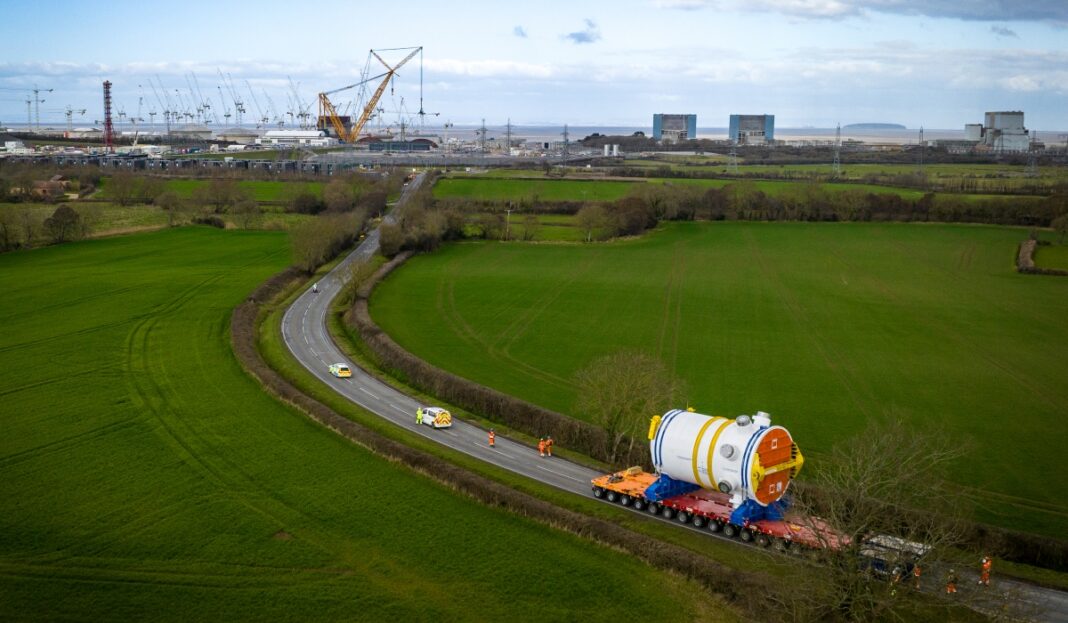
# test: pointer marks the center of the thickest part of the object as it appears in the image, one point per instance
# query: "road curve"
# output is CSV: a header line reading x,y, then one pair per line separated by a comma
x,y
305,333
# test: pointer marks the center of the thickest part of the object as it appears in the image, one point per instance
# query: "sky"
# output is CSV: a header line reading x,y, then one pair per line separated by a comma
x,y
811,63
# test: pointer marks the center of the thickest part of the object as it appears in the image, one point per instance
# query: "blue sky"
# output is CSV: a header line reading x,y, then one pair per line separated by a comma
x,y
936,63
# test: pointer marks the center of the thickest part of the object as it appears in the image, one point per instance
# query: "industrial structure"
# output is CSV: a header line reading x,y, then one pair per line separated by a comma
x,y
752,129
328,115
674,128
1002,131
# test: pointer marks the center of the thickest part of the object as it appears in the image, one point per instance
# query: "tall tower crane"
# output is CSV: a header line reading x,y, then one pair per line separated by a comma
x,y
327,112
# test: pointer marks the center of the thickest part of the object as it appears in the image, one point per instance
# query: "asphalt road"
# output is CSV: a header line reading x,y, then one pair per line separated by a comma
x,y
305,333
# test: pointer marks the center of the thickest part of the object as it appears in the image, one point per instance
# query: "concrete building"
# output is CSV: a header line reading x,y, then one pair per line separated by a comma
x,y
752,129
674,128
1000,131
241,136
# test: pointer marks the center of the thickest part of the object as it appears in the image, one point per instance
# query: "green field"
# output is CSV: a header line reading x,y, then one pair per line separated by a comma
x,y
1053,256
535,190
144,475
825,326
260,190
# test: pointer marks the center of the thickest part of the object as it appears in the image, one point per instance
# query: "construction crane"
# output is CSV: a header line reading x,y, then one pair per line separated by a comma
x,y
328,112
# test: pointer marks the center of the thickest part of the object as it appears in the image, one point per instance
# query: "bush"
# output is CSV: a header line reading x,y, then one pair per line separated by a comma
x,y
211,220
305,203
318,240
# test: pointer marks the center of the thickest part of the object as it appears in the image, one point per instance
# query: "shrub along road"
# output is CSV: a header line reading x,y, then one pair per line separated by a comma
x,y
305,333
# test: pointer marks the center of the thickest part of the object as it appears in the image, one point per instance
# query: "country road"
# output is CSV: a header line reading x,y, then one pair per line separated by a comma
x,y
304,330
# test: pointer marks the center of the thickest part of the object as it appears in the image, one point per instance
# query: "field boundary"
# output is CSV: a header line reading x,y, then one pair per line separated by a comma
x,y
516,413
747,590
1025,261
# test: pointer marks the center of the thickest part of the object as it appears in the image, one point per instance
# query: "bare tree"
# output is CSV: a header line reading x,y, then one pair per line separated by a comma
x,y
879,504
1060,225
620,392
358,274
246,212
172,204
338,196
30,224
65,224
531,225
594,221
123,188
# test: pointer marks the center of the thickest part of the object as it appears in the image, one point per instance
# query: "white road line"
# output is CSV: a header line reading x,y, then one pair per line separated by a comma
x,y
553,471
368,393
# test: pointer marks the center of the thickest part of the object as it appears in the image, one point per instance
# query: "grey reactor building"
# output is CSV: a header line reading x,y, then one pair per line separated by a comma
x,y
752,129
674,128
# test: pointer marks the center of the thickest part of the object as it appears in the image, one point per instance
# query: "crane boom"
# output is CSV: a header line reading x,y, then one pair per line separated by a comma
x,y
327,110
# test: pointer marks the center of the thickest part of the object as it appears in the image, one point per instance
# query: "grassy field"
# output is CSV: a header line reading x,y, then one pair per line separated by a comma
x,y
261,190
535,190
824,326
1052,256
145,475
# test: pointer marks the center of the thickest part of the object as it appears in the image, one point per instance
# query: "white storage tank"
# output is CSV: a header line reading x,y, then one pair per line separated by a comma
x,y
745,457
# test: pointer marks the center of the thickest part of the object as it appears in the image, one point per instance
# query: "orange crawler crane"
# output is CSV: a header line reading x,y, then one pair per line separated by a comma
x,y
328,113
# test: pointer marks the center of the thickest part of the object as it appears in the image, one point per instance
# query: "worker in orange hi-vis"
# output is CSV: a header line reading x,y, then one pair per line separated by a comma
x,y
951,582
492,438
984,573
549,445
541,446
916,573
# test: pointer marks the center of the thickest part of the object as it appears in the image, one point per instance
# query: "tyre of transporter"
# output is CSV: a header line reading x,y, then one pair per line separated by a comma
x,y
763,540
782,545
612,496
746,535
639,504
684,517
669,513
626,500
730,530
653,508
598,492
715,526
699,522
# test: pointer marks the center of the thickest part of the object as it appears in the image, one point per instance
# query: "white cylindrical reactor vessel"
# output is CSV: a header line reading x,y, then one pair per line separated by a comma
x,y
745,457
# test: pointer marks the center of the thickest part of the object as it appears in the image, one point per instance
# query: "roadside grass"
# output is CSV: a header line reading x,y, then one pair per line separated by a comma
x,y
145,474
826,326
261,190
544,190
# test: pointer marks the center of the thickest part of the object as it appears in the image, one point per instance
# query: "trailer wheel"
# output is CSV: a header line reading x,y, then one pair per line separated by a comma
x,y
699,522
639,504
613,497
653,508
714,526
598,492
625,500
684,517
730,530
746,535
763,540
669,513
782,545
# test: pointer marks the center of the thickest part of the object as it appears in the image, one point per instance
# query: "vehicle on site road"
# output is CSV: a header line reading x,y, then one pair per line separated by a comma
x,y
435,417
305,333
340,370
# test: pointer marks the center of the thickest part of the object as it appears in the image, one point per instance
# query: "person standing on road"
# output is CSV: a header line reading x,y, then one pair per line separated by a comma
x,y
984,573
419,416
315,287
492,439
916,573
541,446
549,445
951,582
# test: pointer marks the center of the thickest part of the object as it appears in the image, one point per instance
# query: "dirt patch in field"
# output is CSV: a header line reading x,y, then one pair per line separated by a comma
x,y
282,535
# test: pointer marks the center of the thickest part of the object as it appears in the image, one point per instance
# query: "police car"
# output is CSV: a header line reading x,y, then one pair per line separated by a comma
x,y
340,370
436,417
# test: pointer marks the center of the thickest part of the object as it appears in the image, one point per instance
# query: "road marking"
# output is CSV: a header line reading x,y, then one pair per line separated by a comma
x,y
368,393
553,471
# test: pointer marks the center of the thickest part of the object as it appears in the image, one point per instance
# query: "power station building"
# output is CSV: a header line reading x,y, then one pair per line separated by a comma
x,y
1000,131
752,129
674,128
